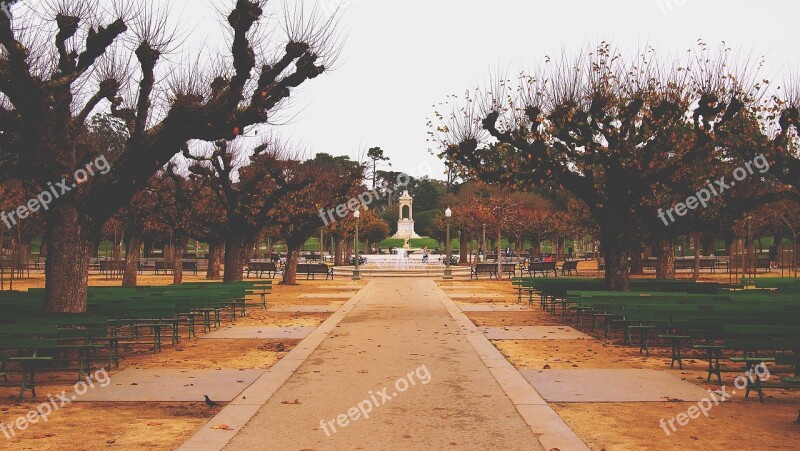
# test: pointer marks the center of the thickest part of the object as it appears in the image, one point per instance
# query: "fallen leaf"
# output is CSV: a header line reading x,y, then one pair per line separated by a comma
x,y
223,427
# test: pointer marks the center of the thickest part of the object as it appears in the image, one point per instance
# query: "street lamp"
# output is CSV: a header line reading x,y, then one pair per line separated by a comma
x,y
484,244
357,270
448,273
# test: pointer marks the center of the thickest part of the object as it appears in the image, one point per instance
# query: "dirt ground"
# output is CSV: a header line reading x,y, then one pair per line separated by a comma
x,y
737,424
157,426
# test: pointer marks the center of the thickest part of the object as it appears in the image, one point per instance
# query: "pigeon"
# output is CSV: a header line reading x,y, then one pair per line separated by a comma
x,y
209,402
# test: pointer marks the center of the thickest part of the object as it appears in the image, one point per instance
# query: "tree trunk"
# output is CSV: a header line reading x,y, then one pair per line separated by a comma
x,y
292,255
536,245
234,258
67,266
337,260
708,242
499,259
43,247
177,263
250,250
116,252
616,250
94,248
215,256
637,264
777,239
129,279
148,247
665,261
696,272
169,252
462,249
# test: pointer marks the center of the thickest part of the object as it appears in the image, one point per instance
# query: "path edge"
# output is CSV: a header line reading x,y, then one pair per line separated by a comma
x,y
548,427
245,406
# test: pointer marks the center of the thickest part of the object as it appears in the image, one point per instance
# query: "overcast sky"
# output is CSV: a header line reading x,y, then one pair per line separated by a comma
x,y
401,57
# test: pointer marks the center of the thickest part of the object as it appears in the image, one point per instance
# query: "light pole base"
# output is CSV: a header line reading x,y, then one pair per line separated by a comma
x,y
356,274
448,274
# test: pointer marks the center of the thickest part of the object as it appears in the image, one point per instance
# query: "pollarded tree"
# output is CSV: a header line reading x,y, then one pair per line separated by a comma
x,y
47,92
608,130
195,199
330,182
248,184
501,207
784,126
142,217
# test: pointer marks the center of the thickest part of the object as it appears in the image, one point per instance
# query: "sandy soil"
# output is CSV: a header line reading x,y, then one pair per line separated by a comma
x,y
158,426
738,424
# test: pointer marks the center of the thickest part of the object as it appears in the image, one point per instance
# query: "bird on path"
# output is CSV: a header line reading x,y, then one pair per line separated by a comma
x,y
209,402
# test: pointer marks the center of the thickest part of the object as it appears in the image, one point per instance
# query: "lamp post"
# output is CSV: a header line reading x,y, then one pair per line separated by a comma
x,y
483,246
448,273
357,270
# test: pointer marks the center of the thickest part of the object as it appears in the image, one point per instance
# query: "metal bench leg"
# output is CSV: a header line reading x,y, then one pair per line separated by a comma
x,y
28,380
644,342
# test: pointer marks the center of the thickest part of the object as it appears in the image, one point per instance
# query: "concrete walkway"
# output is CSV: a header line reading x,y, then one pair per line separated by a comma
x,y
406,357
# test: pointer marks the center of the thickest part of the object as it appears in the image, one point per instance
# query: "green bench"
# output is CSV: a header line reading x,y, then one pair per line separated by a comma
x,y
23,348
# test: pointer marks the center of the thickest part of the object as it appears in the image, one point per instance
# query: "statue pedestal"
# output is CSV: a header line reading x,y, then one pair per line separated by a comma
x,y
405,229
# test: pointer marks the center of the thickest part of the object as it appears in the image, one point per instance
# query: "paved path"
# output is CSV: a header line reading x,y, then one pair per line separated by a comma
x,y
402,329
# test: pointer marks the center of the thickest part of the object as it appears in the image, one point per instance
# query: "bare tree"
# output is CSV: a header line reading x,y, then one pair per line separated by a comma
x,y
613,131
48,92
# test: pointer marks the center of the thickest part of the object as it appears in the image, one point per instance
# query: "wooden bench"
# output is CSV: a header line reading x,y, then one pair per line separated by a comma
x,y
569,267
112,268
311,269
543,268
510,269
261,268
189,265
163,267
483,268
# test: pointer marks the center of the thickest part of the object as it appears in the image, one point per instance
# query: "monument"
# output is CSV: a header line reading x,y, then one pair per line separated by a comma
x,y
405,223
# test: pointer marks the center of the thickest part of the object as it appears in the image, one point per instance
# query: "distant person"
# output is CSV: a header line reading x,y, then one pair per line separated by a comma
x,y
773,257
425,254
570,251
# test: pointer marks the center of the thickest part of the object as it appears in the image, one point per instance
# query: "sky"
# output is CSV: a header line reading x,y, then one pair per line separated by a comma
x,y
400,58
